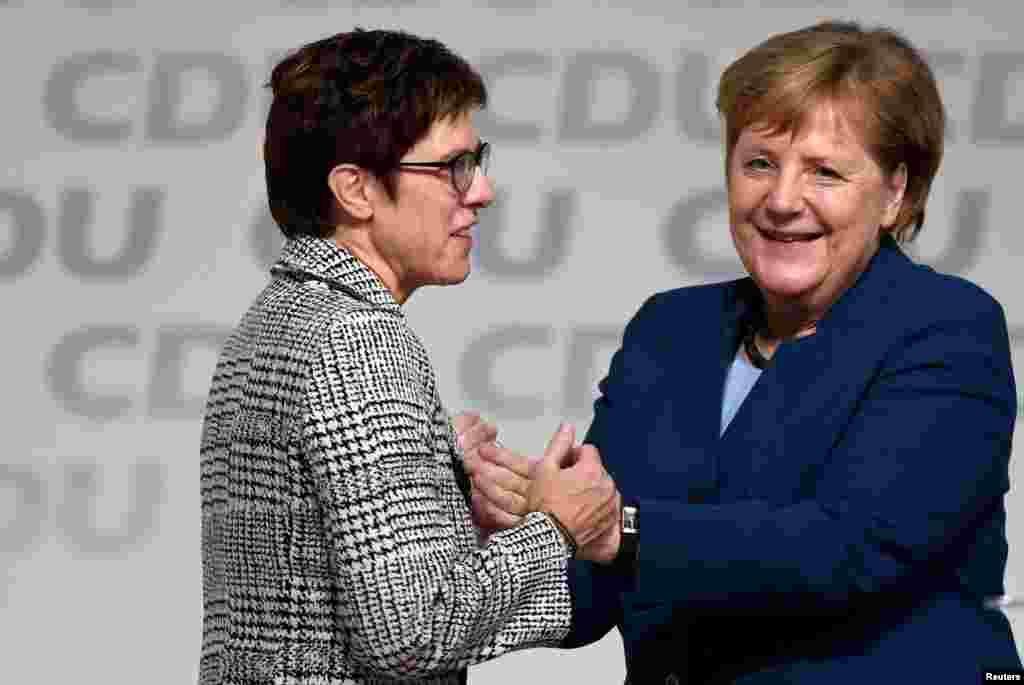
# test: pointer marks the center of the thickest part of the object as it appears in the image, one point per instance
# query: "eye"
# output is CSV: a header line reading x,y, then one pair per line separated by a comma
x,y
758,164
828,173
463,163
462,170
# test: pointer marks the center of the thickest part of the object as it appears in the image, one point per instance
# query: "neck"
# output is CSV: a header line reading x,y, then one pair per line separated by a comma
x,y
788,322
358,243
782,321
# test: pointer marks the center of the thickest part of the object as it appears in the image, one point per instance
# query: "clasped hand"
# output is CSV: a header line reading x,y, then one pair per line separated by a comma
x,y
568,481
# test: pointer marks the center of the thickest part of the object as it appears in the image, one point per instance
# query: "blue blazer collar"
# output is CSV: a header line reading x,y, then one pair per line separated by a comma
x,y
796,386
744,302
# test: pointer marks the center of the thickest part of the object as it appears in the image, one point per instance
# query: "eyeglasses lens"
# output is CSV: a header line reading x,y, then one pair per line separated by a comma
x,y
463,171
485,158
466,165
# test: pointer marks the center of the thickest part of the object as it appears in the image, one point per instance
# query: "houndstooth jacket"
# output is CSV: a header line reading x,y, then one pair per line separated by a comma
x,y
338,547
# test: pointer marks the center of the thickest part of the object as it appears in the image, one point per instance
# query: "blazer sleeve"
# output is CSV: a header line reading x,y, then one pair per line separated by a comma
x,y
596,589
924,459
596,603
413,598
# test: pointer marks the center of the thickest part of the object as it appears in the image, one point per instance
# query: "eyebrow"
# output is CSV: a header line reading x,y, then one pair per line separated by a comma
x,y
761,149
843,164
455,152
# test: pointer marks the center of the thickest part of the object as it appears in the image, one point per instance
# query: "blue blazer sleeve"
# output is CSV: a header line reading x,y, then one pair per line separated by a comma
x,y
921,463
596,603
596,590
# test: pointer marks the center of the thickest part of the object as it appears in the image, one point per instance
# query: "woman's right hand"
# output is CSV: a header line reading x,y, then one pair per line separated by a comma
x,y
568,482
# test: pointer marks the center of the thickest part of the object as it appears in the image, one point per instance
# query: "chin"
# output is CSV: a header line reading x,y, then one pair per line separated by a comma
x,y
454,276
787,286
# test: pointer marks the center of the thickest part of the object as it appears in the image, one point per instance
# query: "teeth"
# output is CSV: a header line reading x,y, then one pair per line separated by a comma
x,y
792,238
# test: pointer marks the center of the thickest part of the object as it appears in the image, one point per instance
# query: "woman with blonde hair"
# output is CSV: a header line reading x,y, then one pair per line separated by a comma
x,y
813,459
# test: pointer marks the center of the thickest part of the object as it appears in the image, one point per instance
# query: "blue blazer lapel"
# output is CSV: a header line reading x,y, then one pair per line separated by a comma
x,y
692,393
674,420
753,453
810,382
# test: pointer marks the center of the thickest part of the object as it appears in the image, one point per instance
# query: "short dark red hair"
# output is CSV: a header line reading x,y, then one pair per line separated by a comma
x,y
363,98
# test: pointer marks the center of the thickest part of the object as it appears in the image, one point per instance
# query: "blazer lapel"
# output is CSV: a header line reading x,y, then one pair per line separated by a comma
x,y
693,393
760,441
794,412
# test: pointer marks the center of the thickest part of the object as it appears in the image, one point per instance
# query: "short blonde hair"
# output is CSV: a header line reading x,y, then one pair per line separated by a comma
x,y
876,78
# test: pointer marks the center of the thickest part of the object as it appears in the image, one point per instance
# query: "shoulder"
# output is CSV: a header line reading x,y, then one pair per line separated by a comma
x,y
368,349
367,332
920,297
946,324
707,299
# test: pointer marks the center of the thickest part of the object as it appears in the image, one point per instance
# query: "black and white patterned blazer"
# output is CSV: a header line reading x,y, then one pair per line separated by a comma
x,y
338,547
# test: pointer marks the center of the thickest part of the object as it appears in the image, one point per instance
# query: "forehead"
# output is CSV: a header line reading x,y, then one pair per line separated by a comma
x,y
825,125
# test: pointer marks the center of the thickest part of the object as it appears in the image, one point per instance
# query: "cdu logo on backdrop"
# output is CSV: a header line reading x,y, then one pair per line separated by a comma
x,y
162,90
655,96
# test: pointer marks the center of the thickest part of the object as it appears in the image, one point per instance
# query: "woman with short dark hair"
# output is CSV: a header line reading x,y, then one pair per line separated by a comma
x,y
338,545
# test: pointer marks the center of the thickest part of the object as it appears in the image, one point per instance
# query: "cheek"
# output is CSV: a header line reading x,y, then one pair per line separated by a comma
x,y
853,241
739,233
743,198
850,220
740,223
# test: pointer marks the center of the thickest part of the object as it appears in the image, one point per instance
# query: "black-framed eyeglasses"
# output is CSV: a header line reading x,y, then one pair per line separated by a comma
x,y
462,168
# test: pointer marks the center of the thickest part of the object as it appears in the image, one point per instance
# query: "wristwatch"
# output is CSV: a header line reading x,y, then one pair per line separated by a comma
x,y
629,539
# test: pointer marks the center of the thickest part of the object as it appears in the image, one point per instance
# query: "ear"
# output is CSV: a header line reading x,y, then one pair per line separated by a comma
x,y
348,184
896,185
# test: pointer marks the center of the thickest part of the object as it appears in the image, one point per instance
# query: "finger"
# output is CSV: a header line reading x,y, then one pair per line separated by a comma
x,y
490,517
507,500
496,518
477,434
592,523
502,477
588,454
462,422
506,458
606,517
563,439
604,513
587,465
573,457
471,463
559,446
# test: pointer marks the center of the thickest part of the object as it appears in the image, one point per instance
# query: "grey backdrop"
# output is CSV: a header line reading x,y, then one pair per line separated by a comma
x,y
133,232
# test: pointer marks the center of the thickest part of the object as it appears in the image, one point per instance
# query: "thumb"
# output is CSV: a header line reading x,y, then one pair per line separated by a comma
x,y
588,460
560,446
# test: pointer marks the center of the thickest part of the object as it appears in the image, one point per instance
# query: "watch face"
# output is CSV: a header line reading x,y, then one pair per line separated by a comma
x,y
630,520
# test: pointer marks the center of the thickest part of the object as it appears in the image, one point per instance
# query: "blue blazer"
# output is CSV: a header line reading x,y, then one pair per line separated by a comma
x,y
849,525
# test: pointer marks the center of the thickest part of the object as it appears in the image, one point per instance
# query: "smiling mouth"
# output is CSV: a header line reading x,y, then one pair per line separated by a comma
x,y
779,237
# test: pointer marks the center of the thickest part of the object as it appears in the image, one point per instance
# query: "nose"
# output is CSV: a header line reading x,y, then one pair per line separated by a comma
x,y
786,196
481,193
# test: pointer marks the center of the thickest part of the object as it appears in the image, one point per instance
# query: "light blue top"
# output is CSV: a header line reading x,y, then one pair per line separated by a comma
x,y
738,382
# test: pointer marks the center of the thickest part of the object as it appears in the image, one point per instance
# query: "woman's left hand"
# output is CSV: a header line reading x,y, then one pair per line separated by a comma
x,y
471,431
